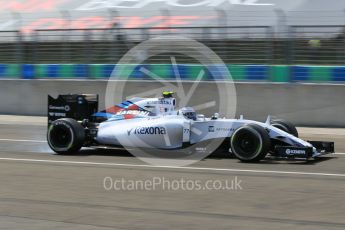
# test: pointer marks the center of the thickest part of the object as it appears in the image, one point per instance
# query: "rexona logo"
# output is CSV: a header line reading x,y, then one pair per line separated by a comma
x,y
294,151
147,131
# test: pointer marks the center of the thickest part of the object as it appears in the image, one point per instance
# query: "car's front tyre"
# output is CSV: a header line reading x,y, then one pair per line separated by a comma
x,y
250,143
65,136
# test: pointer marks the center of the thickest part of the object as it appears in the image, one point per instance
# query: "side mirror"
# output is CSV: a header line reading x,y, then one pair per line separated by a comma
x,y
215,116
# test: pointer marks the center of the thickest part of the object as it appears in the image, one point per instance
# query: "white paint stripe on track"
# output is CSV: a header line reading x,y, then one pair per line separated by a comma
x,y
174,167
20,140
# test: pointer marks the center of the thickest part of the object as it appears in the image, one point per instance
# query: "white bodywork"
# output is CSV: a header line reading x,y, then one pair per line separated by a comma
x,y
169,129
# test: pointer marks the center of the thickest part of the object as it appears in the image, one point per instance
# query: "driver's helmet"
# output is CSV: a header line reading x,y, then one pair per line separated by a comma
x,y
188,112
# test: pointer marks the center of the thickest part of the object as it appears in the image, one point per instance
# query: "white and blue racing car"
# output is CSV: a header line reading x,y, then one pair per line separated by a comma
x,y
154,123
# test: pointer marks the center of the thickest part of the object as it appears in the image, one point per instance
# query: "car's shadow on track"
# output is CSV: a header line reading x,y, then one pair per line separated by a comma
x,y
125,153
214,156
102,152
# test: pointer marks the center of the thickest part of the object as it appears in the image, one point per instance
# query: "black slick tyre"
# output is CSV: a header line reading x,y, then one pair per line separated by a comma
x,y
250,143
65,136
285,126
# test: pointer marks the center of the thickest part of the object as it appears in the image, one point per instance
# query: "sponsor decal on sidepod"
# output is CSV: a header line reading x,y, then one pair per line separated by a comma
x,y
147,130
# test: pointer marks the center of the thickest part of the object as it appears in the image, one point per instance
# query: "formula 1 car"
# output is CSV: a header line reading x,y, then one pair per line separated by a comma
x,y
153,123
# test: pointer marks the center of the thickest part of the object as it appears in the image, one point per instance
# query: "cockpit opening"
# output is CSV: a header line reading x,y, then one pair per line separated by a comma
x,y
188,112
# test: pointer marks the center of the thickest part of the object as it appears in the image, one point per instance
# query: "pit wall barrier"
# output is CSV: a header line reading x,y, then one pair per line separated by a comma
x,y
270,73
303,104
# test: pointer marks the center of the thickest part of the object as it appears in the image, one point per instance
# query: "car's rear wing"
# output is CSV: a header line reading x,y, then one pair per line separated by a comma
x,y
76,106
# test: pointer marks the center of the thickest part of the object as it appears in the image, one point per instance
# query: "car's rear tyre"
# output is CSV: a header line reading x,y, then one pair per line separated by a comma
x,y
250,143
65,136
285,126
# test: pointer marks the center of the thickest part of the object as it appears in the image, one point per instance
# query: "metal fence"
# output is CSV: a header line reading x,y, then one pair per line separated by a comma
x,y
318,45
321,45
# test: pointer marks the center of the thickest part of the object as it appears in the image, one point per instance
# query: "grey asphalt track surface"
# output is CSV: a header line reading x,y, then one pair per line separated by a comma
x,y
41,190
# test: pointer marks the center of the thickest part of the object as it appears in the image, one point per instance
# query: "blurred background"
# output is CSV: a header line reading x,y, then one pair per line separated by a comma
x,y
259,40
287,58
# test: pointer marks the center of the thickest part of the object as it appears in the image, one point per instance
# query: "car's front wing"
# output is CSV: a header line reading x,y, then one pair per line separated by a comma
x,y
292,152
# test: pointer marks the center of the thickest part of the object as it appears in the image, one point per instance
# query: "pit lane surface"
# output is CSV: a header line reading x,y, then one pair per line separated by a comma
x,y
41,190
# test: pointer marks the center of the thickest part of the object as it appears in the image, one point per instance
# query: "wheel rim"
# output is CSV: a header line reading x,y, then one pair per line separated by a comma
x,y
60,136
246,144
